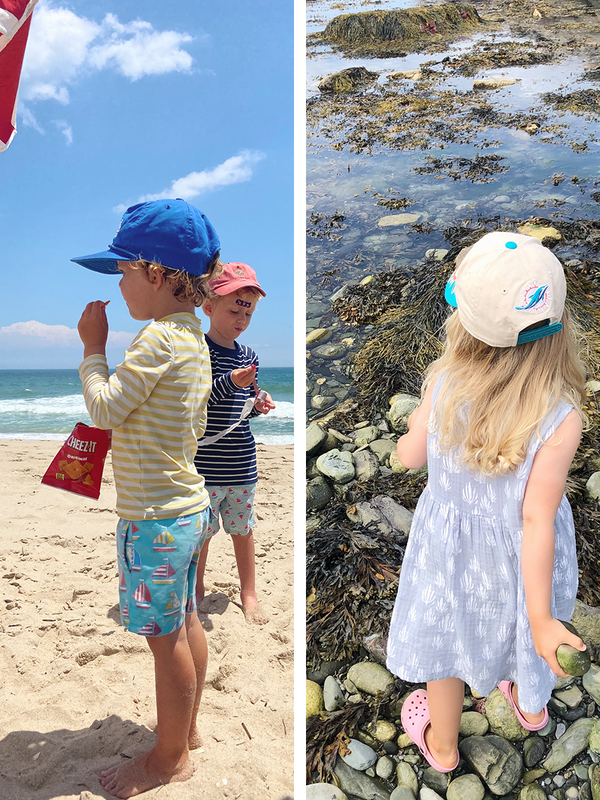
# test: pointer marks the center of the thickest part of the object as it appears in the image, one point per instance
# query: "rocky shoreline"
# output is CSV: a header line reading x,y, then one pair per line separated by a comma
x,y
372,327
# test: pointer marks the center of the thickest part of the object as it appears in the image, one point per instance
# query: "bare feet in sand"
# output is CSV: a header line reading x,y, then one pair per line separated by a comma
x,y
252,611
131,778
194,738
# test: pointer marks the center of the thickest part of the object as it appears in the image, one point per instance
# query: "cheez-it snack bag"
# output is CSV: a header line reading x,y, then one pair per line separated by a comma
x,y
79,464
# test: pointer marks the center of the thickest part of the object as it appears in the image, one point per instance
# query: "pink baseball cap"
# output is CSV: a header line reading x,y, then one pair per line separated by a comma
x,y
235,276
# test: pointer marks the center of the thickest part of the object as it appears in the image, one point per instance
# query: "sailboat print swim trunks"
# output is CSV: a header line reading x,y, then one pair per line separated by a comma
x,y
158,561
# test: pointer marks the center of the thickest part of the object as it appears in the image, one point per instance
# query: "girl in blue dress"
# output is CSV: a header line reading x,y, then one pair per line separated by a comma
x,y
490,567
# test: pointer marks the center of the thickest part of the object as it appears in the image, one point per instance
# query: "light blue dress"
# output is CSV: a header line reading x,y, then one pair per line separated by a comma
x,y
460,610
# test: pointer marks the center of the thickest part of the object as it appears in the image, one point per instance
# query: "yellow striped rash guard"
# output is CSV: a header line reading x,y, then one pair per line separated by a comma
x,y
155,404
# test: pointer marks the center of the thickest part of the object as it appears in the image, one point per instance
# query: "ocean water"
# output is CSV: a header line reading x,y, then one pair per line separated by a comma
x,y
46,404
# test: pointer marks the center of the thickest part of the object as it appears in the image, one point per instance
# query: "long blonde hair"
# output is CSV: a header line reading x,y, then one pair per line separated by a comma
x,y
494,398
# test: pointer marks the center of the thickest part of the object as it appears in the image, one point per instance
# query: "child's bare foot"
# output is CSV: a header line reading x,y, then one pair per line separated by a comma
x,y
134,777
194,738
252,610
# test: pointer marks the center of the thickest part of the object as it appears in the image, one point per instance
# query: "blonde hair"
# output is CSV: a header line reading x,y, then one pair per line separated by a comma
x,y
184,285
493,399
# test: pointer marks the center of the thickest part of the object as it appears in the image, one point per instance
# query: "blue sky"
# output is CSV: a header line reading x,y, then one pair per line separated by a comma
x,y
131,100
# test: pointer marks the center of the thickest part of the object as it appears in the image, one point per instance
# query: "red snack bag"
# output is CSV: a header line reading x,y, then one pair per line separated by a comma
x,y
78,465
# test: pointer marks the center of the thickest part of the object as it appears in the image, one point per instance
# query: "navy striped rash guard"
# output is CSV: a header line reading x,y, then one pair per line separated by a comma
x,y
232,460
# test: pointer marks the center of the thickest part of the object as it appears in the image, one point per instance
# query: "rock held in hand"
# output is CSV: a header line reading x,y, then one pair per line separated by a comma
x,y
573,662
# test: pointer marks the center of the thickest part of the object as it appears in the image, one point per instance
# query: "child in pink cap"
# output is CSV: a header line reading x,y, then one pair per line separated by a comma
x,y
226,454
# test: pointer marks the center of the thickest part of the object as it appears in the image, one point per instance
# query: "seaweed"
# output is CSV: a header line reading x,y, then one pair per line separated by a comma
x,y
480,169
352,576
326,737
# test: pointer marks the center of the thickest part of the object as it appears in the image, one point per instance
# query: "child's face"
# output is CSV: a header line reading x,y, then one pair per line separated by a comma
x,y
137,291
230,315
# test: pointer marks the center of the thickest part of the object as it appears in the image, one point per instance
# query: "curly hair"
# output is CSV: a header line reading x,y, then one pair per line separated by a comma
x,y
184,285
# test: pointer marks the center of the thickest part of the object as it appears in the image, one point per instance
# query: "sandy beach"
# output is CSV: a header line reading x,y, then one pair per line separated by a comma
x,y
77,690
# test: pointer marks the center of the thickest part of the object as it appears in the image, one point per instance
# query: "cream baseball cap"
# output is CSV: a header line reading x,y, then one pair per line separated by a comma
x,y
503,284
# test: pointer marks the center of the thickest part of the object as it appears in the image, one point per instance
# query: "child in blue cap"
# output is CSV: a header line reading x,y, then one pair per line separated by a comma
x,y
155,403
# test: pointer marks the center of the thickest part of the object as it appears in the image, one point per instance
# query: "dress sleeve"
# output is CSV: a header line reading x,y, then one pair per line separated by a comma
x,y
111,399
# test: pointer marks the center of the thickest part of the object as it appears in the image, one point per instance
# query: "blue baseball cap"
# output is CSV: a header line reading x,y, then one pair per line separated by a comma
x,y
169,232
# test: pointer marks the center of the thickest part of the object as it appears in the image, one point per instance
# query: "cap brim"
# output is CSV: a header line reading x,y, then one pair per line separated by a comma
x,y
106,262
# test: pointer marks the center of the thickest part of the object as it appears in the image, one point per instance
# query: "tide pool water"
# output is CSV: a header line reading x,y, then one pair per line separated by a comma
x,y
46,404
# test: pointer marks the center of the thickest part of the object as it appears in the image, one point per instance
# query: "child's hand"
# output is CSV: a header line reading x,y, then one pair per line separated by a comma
x,y
265,405
546,638
243,377
93,328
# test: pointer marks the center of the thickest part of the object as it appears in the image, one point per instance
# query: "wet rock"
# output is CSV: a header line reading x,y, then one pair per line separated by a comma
x,y
595,737
337,465
321,401
383,730
318,494
395,464
314,699
533,775
333,697
376,646
318,336
406,776
393,220
541,232
593,485
316,308
473,724
493,83
370,678
327,668
532,792
571,697
495,760
348,80
330,351
395,31
533,751
595,781
466,787
385,768
315,436
428,794
401,407
570,744
437,253
407,75
591,682
383,449
402,793
398,517
502,718
360,757
324,791
438,781
356,783
368,432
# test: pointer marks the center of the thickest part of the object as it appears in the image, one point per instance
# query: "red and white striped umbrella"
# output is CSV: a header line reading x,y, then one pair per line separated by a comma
x,y
15,19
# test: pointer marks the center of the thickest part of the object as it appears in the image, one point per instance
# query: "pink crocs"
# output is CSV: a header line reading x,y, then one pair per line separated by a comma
x,y
506,689
415,719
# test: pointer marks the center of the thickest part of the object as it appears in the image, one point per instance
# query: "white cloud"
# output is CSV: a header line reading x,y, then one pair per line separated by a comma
x,y
236,169
38,334
65,129
63,47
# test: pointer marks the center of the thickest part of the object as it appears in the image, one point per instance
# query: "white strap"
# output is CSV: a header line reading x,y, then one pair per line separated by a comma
x,y
246,411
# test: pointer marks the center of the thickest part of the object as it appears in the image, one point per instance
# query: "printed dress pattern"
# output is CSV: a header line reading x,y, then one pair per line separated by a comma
x,y
460,609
